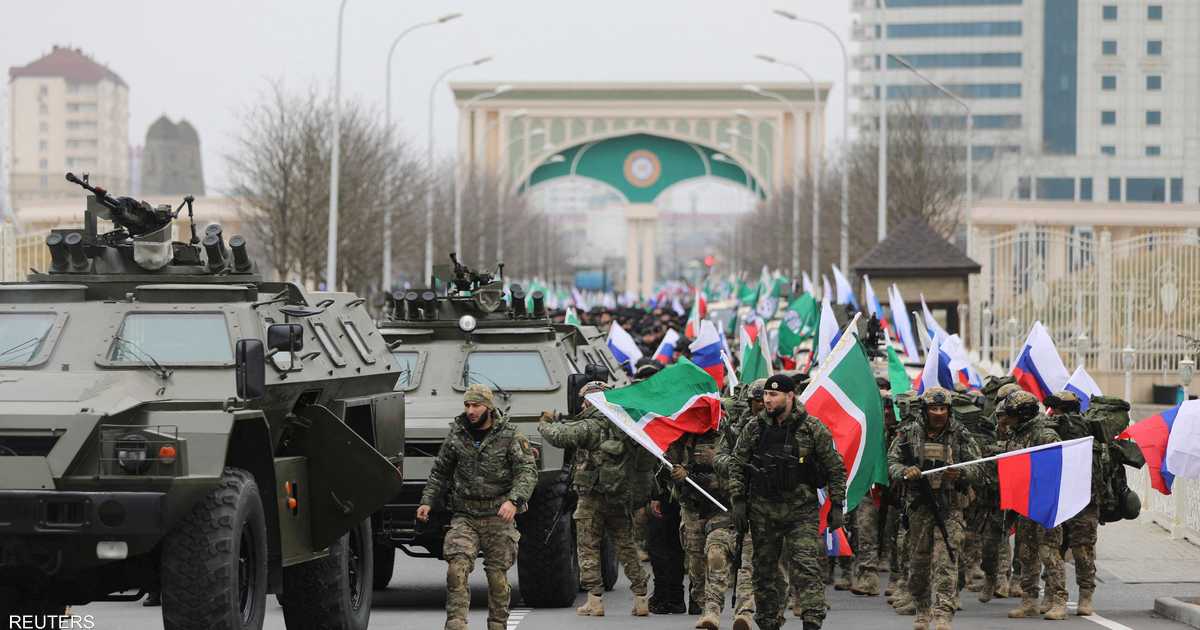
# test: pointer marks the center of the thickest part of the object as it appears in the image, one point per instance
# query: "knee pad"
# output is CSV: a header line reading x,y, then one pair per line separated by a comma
x,y
717,559
457,571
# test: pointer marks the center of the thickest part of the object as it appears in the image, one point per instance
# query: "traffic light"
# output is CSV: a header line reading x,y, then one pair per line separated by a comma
x,y
710,260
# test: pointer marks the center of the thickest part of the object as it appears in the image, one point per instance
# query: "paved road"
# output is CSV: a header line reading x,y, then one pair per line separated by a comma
x,y
415,598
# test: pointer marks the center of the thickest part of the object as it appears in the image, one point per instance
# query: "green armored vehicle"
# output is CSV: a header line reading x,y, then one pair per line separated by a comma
x,y
172,424
468,334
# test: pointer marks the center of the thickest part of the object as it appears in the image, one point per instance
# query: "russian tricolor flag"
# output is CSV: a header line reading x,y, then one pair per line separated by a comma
x,y
699,312
836,543
903,324
1047,484
1170,442
873,305
1039,369
937,371
665,353
1084,386
623,347
706,352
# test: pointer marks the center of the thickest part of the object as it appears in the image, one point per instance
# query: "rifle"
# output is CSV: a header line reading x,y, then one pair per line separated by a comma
x,y
741,536
562,504
926,495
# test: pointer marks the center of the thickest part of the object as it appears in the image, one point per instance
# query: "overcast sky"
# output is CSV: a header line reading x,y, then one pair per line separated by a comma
x,y
207,61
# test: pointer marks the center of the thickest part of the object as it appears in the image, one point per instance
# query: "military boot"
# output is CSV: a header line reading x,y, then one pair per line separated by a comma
x,y
1085,604
842,583
709,621
1057,612
641,607
455,624
593,608
1046,604
941,622
742,622
922,620
988,591
1027,610
1002,590
906,608
867,584
1014,589
797,609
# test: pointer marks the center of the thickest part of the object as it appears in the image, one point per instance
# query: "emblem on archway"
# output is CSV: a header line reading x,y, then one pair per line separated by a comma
x,y
642,168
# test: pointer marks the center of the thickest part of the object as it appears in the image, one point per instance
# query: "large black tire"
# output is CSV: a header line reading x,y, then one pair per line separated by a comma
x,y
547,569
334,592
385,563
214,563
608,563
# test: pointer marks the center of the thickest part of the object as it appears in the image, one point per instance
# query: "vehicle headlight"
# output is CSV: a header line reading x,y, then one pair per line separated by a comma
x,y
467,323
133,453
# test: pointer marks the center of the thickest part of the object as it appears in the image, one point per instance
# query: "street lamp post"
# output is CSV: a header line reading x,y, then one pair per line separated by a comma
x,y
816,219
1187,369
386,280
429,188
334,162
1128,355
970,123
881,225
845,218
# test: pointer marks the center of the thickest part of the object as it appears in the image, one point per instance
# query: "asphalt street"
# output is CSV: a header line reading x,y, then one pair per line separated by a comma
x,y
416,595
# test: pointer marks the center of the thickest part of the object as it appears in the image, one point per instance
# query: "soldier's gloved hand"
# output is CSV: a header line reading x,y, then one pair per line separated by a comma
x,y
911,473
547,416
423,513
950,475
836,517
679,473
705,456
507,511
741,519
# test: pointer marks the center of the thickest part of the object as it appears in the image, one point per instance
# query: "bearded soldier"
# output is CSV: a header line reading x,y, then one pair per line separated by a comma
x,y
782,457
935,505
1036,546
490,467
613,481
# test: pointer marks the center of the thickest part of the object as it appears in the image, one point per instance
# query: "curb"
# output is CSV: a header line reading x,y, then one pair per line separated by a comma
x,y
1177,610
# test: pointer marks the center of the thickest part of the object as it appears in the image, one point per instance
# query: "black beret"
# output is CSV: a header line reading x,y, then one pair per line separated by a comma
x,y
779,383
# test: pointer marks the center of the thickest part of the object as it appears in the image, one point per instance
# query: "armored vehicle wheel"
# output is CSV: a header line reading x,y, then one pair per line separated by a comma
x,y
385,563
333,593
214,564
608,563
547,569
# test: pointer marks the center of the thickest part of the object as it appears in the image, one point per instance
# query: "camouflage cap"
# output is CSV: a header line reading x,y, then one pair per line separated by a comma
x,y
592,387
1007,389
936,396
1063,401
480,395
756,388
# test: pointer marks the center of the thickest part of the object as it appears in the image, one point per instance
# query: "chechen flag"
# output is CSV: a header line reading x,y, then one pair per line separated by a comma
x,y
1039,369
1049,483
680,399
845,398
1170,442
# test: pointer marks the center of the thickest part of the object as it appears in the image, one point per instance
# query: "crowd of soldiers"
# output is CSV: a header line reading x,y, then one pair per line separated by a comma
x,y
935,534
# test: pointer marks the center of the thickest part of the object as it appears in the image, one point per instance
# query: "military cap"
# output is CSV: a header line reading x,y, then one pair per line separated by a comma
x,y
1019,404
936,396
756,388
1007,389
780,383
592,387
647,367
480,395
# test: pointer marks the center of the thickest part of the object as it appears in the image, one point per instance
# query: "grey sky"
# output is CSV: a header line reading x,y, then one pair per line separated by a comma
x,y
206,61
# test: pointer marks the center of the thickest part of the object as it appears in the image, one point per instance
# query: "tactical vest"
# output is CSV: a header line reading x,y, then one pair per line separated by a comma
x,y
779,465
616,469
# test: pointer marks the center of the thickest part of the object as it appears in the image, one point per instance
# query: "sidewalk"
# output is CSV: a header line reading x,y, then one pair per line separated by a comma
x,y
1141,558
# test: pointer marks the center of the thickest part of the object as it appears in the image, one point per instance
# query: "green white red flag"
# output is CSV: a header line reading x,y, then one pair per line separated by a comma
x,y
756,352
845,398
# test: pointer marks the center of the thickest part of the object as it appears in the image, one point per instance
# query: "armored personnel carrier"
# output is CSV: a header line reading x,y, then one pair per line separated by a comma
x,y
171,423
444,341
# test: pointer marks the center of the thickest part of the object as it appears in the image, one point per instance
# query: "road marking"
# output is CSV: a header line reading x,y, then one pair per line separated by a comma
x,y
516,616
1097,619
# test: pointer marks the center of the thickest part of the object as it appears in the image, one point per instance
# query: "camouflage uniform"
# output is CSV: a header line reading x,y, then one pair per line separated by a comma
x,y
910,414
786,512
930,560
967,409
1079,533
1036,546
612,482
744,604
479,477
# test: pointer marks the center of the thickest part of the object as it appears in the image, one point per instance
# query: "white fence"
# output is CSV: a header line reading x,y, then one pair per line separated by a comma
x,y
20,253
1096,295
1178,513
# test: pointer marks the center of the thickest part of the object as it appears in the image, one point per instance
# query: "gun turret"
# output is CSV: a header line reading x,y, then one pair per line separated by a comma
x,y
136,217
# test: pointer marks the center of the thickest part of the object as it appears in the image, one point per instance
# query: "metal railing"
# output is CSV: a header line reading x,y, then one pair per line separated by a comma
x,y
21,252
1178,513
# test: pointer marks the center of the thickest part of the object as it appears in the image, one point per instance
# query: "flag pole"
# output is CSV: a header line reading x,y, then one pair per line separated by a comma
x,y
1008,454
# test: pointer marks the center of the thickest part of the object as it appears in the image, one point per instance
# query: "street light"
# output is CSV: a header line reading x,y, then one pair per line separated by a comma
x,y
796,172
1128,355
1187,369
497,91
387,112
845,229
429,188
334,162
970,123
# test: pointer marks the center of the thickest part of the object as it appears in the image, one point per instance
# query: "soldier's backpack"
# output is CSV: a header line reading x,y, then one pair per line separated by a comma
x,y
623,469
1111,412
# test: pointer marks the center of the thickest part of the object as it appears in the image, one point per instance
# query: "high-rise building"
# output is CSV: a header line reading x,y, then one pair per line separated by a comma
x,y
66,113
170,163
1081,100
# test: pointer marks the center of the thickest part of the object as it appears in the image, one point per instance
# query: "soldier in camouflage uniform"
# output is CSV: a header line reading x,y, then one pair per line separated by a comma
x,y
870,521
487,467
938,441
908,405
1081,530
1036,546
782,456
996,533
967,408
744,607
613,481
